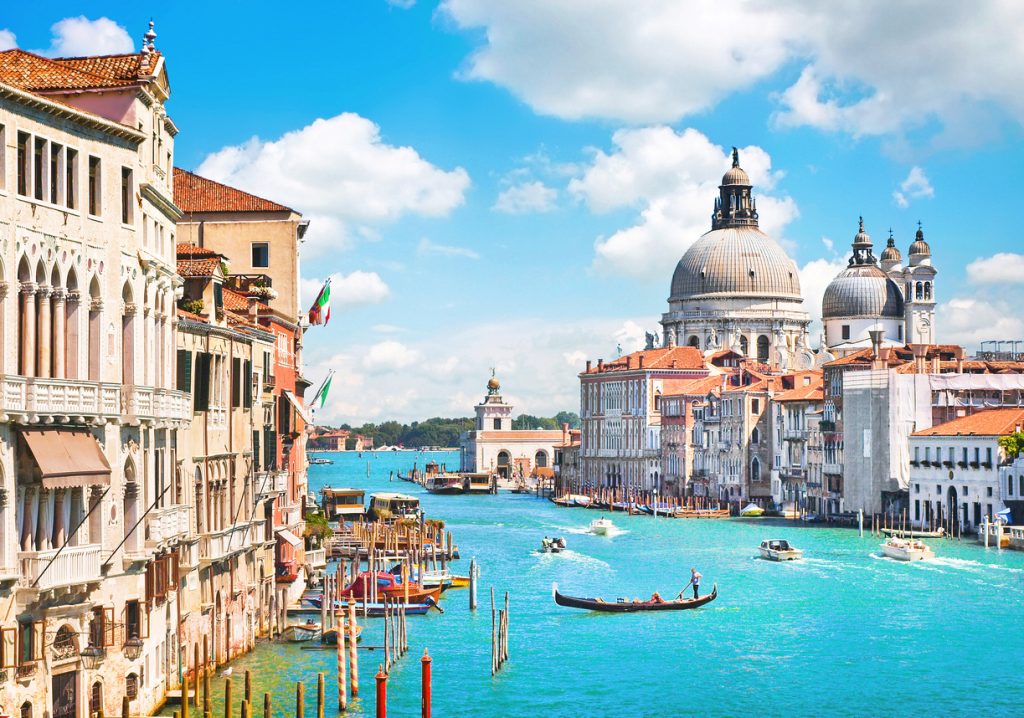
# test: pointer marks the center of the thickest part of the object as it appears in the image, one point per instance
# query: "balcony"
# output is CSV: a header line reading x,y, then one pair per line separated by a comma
x,y
795,435
796,473
832,468
220,545
75,566
259,532
269,382
146,404
35,400
316,558
827,425
270,484
167,525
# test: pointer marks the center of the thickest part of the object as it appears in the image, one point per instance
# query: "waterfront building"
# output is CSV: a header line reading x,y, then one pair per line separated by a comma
x,y
796,439
679,435
744,439
620,444
1011,483
338,440
896,300
956,466
494,447
735,287
567,461
94,511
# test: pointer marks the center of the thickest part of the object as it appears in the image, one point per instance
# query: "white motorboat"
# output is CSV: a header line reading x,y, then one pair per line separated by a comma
x,y
902,549
552,545
779,550
601,526
752,511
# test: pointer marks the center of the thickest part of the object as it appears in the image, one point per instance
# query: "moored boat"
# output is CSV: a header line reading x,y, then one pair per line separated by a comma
x,y
779,550
902,549
915,533
445,484
330,636
687,513
601,526
624,605
751,511
300,632
390,588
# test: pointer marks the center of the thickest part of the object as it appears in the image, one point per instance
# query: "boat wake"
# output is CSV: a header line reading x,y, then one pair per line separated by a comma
x,y
585,531
581,559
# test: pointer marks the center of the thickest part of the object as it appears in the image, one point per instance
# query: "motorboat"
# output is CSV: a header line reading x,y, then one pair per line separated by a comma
x,y
301,632
552,545
601,526
752,511
445,484
915,533
779,550
905,549
320,461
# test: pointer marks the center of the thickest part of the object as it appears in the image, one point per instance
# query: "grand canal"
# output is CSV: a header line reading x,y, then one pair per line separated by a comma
x,y
843,632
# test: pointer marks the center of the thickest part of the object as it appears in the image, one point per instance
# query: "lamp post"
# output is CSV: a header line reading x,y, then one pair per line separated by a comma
x,y
133,648
655,502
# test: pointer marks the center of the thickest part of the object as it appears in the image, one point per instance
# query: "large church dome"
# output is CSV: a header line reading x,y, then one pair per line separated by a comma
x,y
862,289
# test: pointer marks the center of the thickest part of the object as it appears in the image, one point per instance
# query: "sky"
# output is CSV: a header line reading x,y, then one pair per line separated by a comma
x,y
509,185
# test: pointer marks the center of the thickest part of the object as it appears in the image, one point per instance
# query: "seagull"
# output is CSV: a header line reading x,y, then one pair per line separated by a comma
x,y
227,672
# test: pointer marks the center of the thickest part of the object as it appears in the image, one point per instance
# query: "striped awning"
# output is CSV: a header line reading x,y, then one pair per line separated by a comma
x,y
68,458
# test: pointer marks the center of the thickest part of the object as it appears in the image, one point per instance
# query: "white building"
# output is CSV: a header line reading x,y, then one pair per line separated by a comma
x,y
955,468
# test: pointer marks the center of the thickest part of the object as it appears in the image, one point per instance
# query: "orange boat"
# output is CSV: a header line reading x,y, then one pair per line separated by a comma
x,y
389,587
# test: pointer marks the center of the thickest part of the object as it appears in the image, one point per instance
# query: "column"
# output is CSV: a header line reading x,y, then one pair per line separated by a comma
x,y
28,329
73,328
59,331
3,327
95,328
43,333
59,530
147,348
128,344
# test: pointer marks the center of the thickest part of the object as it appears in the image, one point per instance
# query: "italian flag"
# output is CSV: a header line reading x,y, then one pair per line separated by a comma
x,y
320,313
321,394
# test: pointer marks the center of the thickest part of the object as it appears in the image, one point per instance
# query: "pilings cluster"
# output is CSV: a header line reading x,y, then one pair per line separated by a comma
x,y
499,634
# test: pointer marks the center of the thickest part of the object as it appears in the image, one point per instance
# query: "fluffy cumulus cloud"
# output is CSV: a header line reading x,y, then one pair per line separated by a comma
x,y
427,248
444,373
526,197
347,290
814,278
659,60
670,178
915,186
972,320
1000,268
7,40
341,174
76,36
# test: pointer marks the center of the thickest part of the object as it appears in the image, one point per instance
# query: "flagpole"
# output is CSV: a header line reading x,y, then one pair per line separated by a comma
x,y
322,385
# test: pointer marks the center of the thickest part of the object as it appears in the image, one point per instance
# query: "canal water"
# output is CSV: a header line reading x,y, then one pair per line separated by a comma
x,y
843,632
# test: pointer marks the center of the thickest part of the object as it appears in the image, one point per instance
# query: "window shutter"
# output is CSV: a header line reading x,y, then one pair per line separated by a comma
x,y
38,639
184,370
108,626
247,378
257,457
8,647
236,382
204,362
269,448
172,581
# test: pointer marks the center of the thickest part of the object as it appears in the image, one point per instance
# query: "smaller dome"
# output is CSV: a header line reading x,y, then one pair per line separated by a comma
x,y
920,247
493,384
862,238
891,253
862,291
736,174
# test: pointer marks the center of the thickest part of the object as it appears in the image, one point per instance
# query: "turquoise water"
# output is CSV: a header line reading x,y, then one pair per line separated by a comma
x,y
843,632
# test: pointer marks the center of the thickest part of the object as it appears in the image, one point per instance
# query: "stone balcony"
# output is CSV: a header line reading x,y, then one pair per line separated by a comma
x,y
795,434
35,400
219,545
147,404
166,526
270,484
74,566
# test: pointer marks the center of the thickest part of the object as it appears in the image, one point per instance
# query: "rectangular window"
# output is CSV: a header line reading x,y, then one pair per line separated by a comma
x,y
218,297
755,406
260,254
988,492
1009,486
39,168
965,455
497,424
24,163
917,509
127,196
846,331
917,453
56,174
977,454
988,455
95,187
71,179
132,619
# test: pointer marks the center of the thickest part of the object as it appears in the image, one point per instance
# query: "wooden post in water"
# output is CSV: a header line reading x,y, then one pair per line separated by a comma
x,y
320,695
195,669
504,641
227,698
425,685
267,713
494,637
248,687
860,521
207,698
342,688
382,693
185,697
300,707
472,584
387,646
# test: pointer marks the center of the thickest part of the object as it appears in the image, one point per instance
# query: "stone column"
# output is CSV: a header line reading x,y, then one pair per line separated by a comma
x,y
59,530
128,367
59,332
73,328
95,340
28,329
44,333
3,328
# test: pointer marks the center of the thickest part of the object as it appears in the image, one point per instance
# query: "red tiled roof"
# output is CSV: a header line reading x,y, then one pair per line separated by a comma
x,y
990,422
664,358
198,267
814,392
690,387
236,301
523,435
193,193
35,73
194,251
189,315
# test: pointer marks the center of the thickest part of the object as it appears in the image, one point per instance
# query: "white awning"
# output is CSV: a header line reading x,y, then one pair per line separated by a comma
x,y
299,407
288,536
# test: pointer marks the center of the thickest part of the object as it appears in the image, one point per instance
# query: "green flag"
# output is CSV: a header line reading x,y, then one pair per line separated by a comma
x,y
321,395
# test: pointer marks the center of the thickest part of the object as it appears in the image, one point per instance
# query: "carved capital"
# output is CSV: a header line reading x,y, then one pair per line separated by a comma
x,y
43,291
74,297
130,308
28,288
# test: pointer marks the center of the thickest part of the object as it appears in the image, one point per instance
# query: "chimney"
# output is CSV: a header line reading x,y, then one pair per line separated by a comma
x,y
641,361
629,361
935,363
565,433
958,352
876,343
254,308
600,364
919,351
588,366
673,363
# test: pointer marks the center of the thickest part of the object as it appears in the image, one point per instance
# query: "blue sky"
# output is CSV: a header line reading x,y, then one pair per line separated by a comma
x,y
511,184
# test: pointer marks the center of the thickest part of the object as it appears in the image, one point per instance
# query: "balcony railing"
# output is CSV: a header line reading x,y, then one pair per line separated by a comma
x,y
219,545
832,468
793,472
166,525
270,483
795,434
33,398
147,403
317,558
76,565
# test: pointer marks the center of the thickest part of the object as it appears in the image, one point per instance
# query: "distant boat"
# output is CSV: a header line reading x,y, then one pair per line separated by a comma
x,y
623,605
319,460
902,549
752,511
552,545
300,632
601,526
779,550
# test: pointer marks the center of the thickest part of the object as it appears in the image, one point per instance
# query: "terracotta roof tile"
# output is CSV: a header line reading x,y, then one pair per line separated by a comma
x,y
664,358
990,422
814,392
690,387
198,267
194,251
238,302
182,314
35,73
193,193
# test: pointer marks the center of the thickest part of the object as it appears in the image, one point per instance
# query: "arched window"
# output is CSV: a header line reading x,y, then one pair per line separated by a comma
x,y
744,346
919,291
71,328
128,311
65,643
94,329
540,459
927,290
96,699
26,710
755,436
755,470
131,686
762,348
694,341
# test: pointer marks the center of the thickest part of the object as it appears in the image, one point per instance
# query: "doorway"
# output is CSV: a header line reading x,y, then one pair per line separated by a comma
x,y
65,696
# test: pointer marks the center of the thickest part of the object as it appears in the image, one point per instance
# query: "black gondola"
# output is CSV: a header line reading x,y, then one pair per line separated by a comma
x,y
625,606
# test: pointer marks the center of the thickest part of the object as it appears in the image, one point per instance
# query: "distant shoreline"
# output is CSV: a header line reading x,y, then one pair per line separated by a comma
x,y
381,451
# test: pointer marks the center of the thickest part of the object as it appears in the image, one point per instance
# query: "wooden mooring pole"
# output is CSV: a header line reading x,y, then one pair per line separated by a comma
x,y
320,695
227,698
353,656
342,687
300,708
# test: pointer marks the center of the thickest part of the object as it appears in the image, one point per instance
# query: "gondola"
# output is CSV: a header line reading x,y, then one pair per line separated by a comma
x,y
625,606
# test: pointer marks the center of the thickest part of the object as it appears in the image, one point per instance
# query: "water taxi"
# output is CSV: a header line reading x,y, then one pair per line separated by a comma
x,y
552,545
601,526
342,504
779,550
394,506
445,484
902,549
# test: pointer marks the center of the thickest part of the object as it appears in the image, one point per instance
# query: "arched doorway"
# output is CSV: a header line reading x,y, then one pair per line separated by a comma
x,y
694,341
951,503
503,464
744,346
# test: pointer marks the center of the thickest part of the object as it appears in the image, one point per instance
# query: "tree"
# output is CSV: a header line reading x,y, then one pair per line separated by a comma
x,y
1012,444
568,417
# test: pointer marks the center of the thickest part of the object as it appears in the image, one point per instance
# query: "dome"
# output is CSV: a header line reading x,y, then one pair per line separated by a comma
x,y
920,247
493,384
736,174
741,261
862,291
891,253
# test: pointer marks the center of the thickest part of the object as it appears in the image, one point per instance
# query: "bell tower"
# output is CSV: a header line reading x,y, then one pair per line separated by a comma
x,y
919,292
493,414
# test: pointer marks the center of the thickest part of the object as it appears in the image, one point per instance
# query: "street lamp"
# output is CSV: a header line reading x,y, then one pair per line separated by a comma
x,y
133,648
91,656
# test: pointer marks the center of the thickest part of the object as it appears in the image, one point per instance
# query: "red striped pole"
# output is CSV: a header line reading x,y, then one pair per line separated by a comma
x,y
382,693
425,685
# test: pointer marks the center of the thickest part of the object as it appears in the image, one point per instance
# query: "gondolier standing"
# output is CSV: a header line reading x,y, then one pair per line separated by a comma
x,y
694,581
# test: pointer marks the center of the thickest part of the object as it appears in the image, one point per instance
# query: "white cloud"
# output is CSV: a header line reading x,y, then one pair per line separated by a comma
x,y
672,179
347,290
78,36
340,173
426,247
1000,268
815,277
526,197
444,374
7,40
868,67
972,320
915,186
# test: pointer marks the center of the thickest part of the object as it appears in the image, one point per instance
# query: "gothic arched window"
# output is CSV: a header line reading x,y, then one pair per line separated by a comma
x,y
919,291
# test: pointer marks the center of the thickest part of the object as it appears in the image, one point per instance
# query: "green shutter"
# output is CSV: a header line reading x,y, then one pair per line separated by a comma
x,y
184,370
204,364
247,386
236,382
257,458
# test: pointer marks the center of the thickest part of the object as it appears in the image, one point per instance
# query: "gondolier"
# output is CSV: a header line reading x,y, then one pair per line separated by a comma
x,y
694,581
